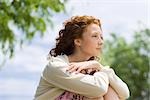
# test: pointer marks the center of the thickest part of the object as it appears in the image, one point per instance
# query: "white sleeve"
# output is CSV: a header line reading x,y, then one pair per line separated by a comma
x,y
117,84
87,85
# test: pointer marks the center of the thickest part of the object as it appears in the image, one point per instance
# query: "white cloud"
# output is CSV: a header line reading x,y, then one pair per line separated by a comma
x,y
13,88
119,16
30,58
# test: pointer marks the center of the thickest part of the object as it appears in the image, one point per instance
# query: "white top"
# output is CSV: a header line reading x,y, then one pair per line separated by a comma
x,y
55,80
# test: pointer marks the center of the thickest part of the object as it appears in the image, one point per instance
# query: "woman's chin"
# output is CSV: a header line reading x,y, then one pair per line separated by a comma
x,y
99,54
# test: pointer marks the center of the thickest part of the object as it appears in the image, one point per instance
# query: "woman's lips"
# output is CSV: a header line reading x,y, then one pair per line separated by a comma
x,y
98,48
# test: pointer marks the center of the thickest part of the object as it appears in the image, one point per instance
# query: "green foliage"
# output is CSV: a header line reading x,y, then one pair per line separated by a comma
x,y
30,17
130,60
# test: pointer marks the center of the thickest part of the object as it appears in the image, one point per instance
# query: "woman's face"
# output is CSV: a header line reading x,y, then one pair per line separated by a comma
x,y
91,41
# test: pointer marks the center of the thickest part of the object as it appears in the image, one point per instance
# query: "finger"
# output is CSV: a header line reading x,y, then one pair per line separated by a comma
x,y
70,67
83,72
97,70
70,64
73,69
79,69
89,70
94,69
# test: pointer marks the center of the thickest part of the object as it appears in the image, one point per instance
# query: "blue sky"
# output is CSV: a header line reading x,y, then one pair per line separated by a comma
x,y
20,76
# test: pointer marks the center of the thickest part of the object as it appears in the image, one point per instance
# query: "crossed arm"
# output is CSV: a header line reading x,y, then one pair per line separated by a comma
x,y
88,67
97,82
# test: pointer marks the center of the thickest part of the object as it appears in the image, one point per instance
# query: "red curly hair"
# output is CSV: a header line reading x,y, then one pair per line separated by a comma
x,y
73,29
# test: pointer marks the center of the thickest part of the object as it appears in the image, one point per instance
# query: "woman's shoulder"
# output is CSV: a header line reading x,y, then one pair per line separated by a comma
x,y
60,60
63,58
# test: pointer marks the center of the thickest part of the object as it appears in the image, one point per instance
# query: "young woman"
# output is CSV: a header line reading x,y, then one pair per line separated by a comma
x,y
73,72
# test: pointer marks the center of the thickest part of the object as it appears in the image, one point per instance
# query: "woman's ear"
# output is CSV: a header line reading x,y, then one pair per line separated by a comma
x,y
77,42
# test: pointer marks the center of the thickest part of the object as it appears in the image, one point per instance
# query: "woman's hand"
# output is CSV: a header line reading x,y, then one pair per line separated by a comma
x,y
88,71
84,67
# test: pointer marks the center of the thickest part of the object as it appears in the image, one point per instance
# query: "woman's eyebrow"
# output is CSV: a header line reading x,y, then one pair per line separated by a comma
x,y
99,33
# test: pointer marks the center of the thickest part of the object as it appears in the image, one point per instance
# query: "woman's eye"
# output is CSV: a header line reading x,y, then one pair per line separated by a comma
x,y
94,36
97,36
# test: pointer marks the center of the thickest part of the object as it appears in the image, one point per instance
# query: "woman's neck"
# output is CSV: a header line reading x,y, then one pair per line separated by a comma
x,y
77,58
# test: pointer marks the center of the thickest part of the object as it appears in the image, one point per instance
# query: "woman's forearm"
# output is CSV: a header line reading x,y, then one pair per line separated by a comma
x,y
111,94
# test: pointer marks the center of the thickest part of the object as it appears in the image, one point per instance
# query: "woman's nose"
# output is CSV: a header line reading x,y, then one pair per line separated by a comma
x,y
100,41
